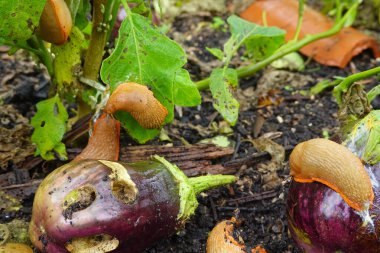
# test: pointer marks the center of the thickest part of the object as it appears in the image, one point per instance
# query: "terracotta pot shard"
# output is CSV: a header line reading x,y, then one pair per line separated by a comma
x,y
337,50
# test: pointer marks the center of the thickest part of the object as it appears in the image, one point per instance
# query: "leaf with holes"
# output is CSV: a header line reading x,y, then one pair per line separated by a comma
x,y
221,81
19,19
146,56
67,63
49,127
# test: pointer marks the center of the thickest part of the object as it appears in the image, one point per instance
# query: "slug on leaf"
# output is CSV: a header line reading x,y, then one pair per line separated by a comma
x,y
139,101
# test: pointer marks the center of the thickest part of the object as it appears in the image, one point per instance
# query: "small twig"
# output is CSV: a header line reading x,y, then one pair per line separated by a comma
x,y
213,208
254,197
17,186
237,146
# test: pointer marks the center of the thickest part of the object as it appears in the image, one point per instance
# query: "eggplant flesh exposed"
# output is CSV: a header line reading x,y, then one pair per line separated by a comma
x,y
87,206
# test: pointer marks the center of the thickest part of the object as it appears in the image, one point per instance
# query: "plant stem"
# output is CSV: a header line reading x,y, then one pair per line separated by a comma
x,y
25,47
110,15
46,58
348,81
374,92
95,50
301,4
203,183
289,48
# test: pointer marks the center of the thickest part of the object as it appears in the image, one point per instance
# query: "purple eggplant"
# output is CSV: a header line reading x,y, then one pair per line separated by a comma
x,y
321,215
103,206
320,221
95,204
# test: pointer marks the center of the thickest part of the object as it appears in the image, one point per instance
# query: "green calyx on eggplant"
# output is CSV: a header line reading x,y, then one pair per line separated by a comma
x,y
129,205
333,202
97,204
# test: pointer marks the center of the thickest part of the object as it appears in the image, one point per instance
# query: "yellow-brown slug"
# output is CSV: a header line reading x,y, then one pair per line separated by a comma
x,y
139,101
55,22
334,165
221,240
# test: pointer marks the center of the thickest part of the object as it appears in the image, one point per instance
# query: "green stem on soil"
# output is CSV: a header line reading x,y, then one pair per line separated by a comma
x,y
190,187
289,48
95,50
203,183
348,81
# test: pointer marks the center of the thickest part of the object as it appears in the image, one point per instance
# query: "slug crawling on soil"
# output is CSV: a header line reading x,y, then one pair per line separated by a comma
x,y
97,204
224,238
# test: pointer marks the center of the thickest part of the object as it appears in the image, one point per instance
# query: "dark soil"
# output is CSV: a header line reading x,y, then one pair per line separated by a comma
x,y
296,119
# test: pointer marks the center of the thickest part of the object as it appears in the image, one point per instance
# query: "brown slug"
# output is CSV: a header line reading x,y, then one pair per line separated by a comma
x,y
334,165
55,22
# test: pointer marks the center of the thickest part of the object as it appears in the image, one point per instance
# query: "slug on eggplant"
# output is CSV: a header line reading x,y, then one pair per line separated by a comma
x,y
97,204
333,203
334,165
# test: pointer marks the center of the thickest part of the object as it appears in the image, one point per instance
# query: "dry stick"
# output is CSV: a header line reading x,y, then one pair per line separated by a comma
x,y
253,197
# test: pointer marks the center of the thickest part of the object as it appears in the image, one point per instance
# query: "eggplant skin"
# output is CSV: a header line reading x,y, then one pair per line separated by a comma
x,y
320,221
136,225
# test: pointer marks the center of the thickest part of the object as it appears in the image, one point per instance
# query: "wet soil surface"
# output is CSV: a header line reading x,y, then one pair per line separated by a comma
x,y
297,118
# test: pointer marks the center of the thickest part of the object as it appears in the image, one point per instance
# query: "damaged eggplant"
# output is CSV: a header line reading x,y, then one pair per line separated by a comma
x,y
97,204
333,200
104,206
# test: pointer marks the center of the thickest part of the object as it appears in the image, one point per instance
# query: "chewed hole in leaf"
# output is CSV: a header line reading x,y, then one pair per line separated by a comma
x,y
93,244
77,200
43,123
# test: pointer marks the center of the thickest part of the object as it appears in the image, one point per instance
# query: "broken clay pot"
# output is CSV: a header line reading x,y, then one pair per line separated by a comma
x,y
337,50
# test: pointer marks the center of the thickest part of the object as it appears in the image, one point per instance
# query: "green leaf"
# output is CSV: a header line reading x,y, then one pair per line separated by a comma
x,y
185,92
49,127
364,138
84,9
144,55
67,62
216,52
260,42
19,19
74,7
221,80
141,7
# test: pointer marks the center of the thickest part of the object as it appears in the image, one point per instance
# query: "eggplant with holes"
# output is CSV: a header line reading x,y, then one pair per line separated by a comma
x,y
104,206
97,204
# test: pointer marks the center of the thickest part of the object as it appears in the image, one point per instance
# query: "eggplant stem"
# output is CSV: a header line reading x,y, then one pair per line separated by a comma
x,y
203,183
190,187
